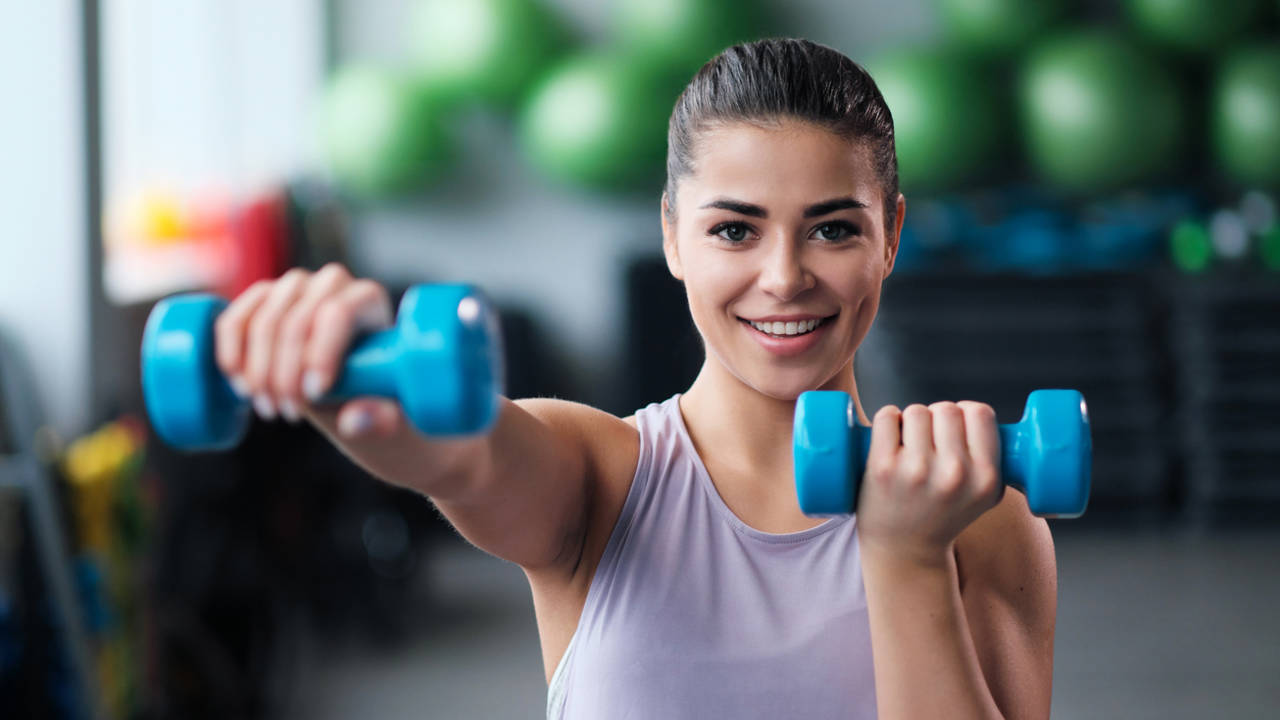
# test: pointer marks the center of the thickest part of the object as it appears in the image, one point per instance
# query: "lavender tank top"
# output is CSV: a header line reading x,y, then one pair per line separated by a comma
x,y
693,614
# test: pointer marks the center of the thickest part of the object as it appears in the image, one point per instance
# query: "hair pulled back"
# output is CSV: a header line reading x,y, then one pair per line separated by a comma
x,y
769,80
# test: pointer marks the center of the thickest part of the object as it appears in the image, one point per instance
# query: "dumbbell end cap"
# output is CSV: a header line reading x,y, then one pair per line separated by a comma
x,y
189,402
451,373
823,453
1063,467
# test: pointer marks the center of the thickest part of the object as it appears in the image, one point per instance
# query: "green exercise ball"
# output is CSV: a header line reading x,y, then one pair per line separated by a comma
x,y
482,50
1098,113
1246,115
1190,246
947,116
1195,25
600,121
684,34
381,133
995,26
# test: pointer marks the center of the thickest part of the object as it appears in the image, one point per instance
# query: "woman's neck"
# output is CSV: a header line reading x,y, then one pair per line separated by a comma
x,y
743,427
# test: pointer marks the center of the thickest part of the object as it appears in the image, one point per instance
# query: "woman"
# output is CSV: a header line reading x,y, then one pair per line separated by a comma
x,y
673,574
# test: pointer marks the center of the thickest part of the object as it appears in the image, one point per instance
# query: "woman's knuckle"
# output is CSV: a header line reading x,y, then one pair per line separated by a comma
x,y
225,330
261,328
880,468
226,322
949,488
257,287
888,412
294,324
978,411
945,408
370,289
332,311
334,268
990,488
986,472
950,470
331,278
296,274
914,471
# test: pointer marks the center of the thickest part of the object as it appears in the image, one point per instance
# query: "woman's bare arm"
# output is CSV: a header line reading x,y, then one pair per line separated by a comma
x,y
519,491
970,636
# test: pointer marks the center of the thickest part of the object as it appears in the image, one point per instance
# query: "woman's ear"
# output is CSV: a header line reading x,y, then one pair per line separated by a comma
x,y
669,248
892,240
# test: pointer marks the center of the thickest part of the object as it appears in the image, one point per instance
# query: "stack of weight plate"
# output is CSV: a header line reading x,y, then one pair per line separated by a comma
x,y
1226,334
995,338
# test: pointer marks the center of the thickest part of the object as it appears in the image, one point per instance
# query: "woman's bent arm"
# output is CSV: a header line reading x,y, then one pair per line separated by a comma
x,y
977,646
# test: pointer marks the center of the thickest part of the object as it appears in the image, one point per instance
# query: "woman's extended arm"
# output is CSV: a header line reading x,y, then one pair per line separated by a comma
x,y
971,634
518,491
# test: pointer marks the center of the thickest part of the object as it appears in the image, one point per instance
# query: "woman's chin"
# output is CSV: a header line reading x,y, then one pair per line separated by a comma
x,y
787,388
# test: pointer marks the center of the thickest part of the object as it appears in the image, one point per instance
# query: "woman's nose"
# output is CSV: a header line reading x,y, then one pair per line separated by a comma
x,y
784,274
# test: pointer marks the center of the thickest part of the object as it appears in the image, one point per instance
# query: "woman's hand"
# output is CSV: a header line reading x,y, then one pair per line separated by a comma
x,y
283,342
930,472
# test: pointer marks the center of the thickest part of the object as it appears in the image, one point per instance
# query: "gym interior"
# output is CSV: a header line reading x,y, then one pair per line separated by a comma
x,y
1092,195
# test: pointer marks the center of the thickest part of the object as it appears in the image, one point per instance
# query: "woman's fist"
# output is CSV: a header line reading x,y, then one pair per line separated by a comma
x,y
930,472
283,342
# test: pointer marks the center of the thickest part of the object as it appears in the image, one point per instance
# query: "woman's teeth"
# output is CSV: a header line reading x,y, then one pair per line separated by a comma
x,y
783,329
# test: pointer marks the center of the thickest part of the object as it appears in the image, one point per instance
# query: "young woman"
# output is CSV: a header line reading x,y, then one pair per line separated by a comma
x,y
673,574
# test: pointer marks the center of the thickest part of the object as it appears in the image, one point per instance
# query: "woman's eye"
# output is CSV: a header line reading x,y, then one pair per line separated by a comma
x,y
835,231
733,232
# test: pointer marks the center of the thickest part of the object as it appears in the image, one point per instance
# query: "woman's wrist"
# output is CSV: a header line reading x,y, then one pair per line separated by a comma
x,y
901,556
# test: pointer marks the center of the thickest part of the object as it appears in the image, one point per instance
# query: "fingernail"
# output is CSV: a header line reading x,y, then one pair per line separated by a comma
x,y
355,423
312,385
266,409
290,411
239,386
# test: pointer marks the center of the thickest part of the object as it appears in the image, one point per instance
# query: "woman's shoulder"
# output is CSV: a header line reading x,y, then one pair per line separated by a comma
x,y
608,444
598,432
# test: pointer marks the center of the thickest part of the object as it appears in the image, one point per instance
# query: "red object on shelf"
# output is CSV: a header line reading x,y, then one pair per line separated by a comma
x,y
259,243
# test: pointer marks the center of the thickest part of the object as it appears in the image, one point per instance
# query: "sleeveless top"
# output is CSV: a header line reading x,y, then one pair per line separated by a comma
x,y
694,614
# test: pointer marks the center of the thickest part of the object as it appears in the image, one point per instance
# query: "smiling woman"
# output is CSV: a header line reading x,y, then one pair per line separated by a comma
x,y
707,592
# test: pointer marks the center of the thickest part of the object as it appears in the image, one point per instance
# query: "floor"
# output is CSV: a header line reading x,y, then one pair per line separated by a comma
x,y
1152,623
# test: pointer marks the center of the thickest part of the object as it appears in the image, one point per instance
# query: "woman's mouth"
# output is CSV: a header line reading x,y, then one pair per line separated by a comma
x,y
790,337
788,329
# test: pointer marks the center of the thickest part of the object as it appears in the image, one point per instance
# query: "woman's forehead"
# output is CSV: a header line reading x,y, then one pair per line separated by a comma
x,y
789,162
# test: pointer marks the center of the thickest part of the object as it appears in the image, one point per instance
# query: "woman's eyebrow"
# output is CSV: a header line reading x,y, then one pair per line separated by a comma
x,y
738,206
826,207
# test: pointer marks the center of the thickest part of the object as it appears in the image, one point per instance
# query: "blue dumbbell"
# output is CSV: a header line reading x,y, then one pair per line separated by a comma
x,y
1047,456
442,360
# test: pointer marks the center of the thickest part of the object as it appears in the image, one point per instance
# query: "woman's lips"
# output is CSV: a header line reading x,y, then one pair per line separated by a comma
x,y
791,345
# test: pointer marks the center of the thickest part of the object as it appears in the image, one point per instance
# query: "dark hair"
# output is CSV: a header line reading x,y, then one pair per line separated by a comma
x,y
776,78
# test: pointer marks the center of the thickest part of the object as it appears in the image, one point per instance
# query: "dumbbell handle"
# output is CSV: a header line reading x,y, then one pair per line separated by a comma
x,y
1013,440
366,370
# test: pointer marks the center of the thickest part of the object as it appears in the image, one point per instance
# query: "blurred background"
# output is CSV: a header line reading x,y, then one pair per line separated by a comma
x,y
1092,203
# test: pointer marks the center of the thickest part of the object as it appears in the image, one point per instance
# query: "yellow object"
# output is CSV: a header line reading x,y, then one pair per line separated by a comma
x,y
163,218
103,471
93,464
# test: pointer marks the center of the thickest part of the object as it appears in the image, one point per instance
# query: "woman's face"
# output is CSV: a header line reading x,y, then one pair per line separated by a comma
x,y
779,229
